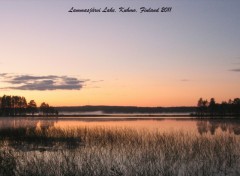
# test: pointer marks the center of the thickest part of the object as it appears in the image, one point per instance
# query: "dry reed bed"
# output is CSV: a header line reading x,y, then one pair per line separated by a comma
x,y
107,151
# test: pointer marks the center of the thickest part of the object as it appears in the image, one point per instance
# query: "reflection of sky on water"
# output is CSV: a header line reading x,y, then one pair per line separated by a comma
x,y
162,125
119,114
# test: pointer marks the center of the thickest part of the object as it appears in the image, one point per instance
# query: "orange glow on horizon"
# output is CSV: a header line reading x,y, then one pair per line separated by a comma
x,y
136,91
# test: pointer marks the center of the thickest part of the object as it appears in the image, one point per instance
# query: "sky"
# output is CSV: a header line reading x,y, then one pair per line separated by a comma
x,y
137,59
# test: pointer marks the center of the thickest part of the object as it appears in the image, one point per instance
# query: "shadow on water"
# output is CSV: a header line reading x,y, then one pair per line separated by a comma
x,y
32,134
224,125
25,123
41,139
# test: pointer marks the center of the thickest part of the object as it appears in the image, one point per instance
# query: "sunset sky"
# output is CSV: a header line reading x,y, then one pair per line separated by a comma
x,y
143,59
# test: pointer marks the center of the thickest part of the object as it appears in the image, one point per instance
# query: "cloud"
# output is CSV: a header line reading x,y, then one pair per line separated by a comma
x,y
3,74
185,80
235,70
97,81
42,83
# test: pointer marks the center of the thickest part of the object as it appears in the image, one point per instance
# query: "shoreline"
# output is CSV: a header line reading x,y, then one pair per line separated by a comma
x,y
119,117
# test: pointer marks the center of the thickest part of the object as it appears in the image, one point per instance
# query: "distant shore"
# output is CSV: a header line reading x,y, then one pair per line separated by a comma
x,y
104,117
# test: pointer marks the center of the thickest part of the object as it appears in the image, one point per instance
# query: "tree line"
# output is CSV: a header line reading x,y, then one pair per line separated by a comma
x,y
18,106
212,108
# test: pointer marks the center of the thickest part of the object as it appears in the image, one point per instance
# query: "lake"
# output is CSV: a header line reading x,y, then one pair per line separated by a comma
x,y
185,124
119,146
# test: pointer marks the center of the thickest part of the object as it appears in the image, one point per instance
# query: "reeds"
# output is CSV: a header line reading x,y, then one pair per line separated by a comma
x,y
121,151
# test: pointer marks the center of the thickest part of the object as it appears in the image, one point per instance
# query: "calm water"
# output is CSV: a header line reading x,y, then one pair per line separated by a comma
x,y
210,154
160,124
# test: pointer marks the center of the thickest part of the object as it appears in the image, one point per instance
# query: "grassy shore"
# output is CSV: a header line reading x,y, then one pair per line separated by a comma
x,y
108,151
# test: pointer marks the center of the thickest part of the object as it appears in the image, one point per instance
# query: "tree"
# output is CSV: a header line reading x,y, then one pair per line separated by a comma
x,y
232,107
13,105
202,106
6,105
0,105
212,106
199,106
23,105
32,107
236,106
224,108
44,108
17,105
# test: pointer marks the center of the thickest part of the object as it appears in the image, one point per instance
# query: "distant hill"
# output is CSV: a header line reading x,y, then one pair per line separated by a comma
x,y
126,109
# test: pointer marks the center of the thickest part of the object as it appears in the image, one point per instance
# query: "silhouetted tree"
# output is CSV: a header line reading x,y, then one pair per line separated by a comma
x,y
13,105
17,105
232,107
212,106
44,108
47,110
224,108
32,107
199,107
202,106
236,105
0,105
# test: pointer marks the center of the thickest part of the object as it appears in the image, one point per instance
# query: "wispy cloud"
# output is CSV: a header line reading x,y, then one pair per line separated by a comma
x,y
42,83
235,70
185,80
97,81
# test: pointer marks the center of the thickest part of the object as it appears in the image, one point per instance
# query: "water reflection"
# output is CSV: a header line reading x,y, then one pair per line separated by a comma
x,y
163,125
25,123
229,125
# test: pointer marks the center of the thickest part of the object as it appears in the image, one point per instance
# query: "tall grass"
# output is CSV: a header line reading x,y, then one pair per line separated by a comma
x,y
112,152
